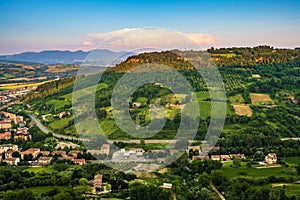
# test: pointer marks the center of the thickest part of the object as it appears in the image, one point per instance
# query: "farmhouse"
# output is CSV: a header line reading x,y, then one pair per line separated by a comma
x,y
271,158
97,183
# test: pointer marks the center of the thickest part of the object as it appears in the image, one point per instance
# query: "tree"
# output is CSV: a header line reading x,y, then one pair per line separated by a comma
x,y
16,154
83,181
149,192
236,163
63,196
10,195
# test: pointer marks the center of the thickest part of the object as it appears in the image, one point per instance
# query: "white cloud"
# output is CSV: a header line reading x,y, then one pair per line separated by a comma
x,y
136,38
87,43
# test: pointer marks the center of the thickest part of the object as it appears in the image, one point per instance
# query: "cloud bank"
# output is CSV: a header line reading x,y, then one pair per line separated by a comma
x,y
137,38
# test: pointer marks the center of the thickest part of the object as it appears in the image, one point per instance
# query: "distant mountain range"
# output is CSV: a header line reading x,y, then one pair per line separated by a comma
x,y
95,57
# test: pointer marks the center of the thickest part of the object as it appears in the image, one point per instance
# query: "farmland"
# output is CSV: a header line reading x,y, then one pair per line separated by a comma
x,y
243,110
14,86
258,99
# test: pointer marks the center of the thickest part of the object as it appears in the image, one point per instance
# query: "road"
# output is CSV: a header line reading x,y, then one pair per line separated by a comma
x,y
298,138
217,191
45,130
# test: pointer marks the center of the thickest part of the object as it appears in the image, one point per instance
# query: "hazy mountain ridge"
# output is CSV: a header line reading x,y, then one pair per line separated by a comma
x,y
103,56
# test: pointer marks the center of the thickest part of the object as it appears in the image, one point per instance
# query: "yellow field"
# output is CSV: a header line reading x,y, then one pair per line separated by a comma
x,y
13,86
243,110
257,99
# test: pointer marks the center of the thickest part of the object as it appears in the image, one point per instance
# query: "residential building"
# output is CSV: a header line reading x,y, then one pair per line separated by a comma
x,y
75,153
5,136
271,158
6,147
5,124
79,161
33,151
44,160
97,183
12,161
239,156
105,148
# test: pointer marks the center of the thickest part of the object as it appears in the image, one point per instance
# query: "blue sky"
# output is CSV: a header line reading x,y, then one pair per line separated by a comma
x,y
32,25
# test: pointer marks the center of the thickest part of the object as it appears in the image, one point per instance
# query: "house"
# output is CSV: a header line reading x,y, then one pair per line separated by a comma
x,y
13,117
136,104
137,151
5,124
12,161
59,152
44,153
215,157
202,157
44,160
206,149
97,183
6,147
271,158
238,156
75,153
22,133
5,136
105,148
79,161
33,151
194,148
70,158
256,76
167,185
225,157
8,153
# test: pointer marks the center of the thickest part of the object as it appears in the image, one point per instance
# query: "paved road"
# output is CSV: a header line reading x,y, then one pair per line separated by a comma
x,y
298,138
45,130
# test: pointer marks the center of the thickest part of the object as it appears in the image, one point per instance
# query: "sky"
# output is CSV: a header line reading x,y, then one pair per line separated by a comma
x,y
35,25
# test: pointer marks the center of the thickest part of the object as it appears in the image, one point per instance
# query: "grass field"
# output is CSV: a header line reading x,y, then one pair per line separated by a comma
x,y
292,160
257,99
243,110
58,103
84,91
231,172
59,124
